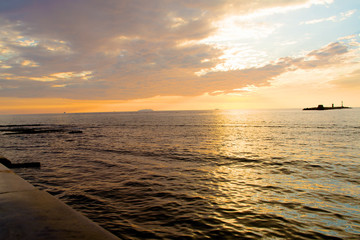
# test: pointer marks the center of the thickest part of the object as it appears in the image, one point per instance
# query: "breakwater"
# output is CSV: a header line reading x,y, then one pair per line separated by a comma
x,y
28,213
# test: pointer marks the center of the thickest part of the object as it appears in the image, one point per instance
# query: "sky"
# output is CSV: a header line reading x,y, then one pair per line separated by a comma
x,y
126,55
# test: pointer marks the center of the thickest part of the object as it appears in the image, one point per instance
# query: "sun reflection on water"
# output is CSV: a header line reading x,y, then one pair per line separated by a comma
x,y
216,174
257,174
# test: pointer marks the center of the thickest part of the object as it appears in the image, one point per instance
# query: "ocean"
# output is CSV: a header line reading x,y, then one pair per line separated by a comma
x,y
221,174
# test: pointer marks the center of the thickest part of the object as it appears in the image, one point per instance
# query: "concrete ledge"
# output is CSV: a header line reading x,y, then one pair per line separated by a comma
x,y
10,182
27,213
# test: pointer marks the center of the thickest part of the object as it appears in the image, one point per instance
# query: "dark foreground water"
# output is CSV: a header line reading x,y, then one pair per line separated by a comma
x,y
287,174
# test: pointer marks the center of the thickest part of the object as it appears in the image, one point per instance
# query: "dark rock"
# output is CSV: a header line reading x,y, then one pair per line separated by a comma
x,y
26,165
75,131
7,163
30,131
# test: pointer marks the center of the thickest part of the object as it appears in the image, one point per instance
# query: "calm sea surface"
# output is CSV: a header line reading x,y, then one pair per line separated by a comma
x,y
268,174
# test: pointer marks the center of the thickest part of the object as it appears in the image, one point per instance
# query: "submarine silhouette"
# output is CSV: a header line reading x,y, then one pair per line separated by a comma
x,y
321,107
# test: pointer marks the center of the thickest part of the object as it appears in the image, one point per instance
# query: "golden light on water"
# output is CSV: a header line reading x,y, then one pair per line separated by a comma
x,y
263,182
260,173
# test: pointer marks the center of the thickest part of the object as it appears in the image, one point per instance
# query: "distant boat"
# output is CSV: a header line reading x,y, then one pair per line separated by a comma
x,y
321,107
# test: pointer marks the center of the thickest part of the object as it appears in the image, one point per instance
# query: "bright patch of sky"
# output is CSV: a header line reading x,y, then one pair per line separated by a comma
x,y
258,39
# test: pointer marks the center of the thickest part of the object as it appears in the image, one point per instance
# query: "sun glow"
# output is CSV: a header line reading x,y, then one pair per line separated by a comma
x,y
184,55
232,39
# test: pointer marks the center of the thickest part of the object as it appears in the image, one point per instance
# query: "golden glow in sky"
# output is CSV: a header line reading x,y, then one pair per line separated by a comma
x,y
93,56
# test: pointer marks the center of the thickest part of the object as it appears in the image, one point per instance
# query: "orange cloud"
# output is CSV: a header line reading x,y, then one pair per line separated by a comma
x,y
127,50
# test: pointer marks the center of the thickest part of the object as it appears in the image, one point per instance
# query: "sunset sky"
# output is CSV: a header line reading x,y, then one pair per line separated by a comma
x,y
126,55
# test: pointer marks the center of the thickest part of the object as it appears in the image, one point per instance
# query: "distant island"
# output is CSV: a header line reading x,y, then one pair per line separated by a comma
x,y
145,110
321,107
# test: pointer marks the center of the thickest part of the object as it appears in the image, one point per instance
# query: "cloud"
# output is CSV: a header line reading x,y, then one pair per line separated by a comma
x,y
174,80
319,20
343,16
350,81
132,49
330,54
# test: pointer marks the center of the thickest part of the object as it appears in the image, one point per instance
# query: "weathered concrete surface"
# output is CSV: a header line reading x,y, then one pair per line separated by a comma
x,y
10,182
27,213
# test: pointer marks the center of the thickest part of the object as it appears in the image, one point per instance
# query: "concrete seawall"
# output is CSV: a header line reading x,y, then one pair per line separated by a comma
x,y
27,213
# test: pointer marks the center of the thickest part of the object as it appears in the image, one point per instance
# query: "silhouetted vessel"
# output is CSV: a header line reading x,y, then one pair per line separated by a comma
x,y
321,107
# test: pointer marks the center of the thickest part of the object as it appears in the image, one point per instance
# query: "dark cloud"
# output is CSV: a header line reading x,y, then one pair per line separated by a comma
x,y
13,5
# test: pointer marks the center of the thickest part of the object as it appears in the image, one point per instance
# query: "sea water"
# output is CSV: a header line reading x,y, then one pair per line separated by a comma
x,y
256,174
